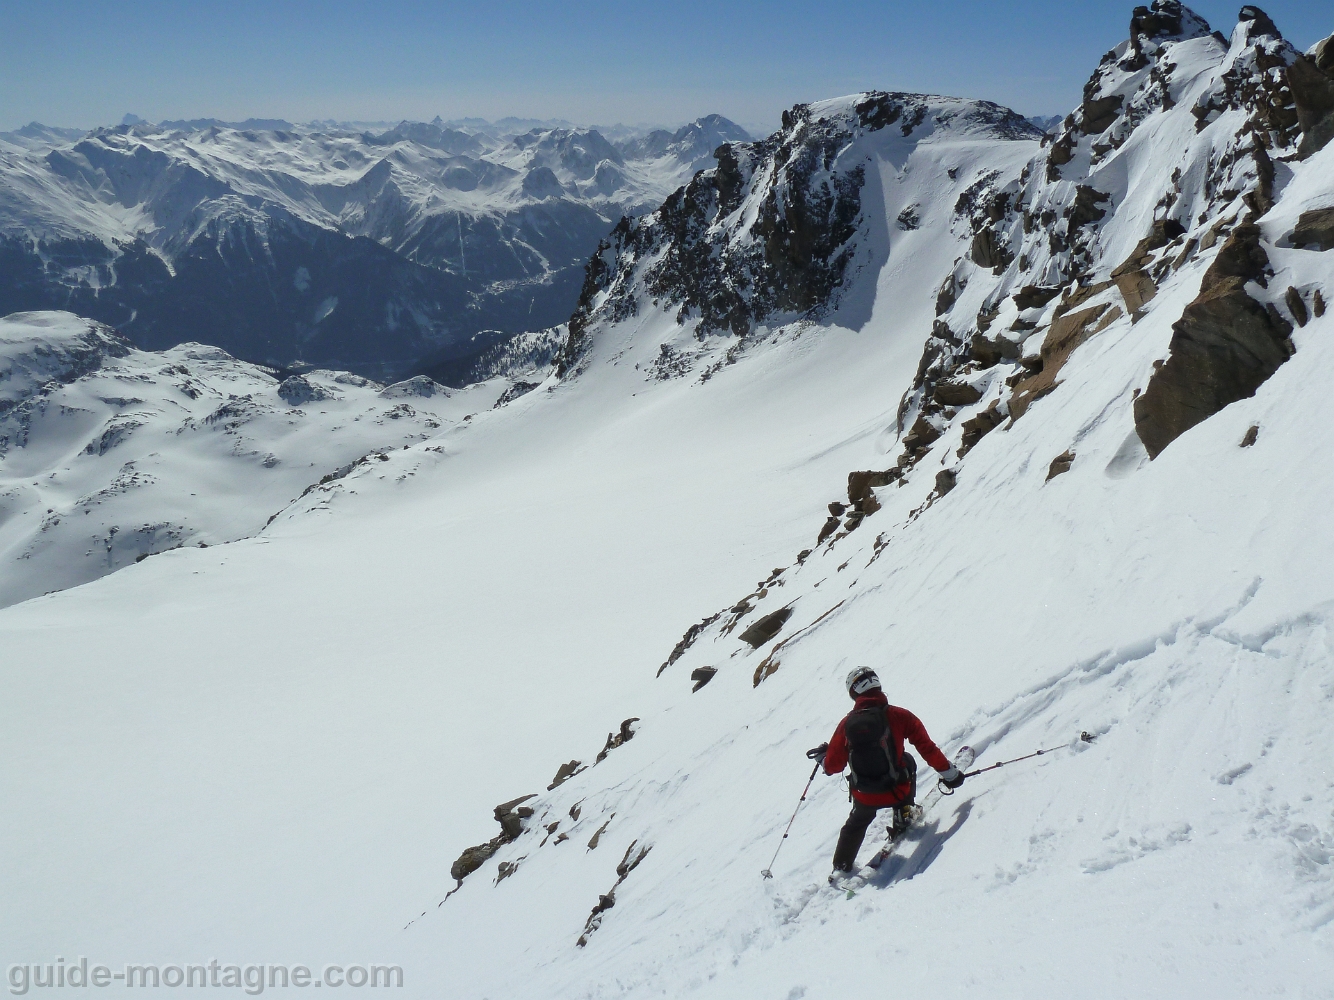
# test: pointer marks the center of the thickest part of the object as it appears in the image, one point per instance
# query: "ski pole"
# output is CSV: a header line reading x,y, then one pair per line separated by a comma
x,y
768,872
1085,736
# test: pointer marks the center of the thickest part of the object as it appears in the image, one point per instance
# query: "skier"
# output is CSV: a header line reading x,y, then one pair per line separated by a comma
x,y
869,741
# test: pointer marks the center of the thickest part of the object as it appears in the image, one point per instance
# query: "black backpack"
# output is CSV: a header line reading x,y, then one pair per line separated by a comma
x,y
874,762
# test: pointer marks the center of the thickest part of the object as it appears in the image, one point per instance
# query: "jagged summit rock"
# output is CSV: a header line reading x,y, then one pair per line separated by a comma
x,y
771,231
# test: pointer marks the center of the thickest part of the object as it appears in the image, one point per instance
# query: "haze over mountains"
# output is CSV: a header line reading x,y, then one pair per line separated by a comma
x,y
510,685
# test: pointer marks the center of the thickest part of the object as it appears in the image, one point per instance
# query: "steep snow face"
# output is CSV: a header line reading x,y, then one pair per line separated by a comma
x,y
1077,536
262,240
942,470
110,454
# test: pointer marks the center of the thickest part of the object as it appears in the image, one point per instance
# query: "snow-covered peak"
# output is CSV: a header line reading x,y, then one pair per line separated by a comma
x,y
38,348
110,454
789,226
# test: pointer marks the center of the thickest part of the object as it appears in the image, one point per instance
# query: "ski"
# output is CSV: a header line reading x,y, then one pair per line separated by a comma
x,y
962,760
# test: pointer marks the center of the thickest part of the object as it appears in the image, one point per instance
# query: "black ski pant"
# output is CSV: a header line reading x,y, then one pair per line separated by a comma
x,y
859,820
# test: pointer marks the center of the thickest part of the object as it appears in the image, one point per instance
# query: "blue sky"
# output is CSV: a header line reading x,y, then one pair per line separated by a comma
x,y
82,63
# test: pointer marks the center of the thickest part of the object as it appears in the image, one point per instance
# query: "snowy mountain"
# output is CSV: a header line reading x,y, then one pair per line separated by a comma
x,y
384,253
1029,422
109,454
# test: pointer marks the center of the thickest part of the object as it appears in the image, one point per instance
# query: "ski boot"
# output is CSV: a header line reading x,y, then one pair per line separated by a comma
x,y
903,819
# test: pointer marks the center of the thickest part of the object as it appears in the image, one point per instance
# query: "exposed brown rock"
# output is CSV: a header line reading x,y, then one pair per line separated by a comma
x,y
922,434
989,251
1241,257
1187,252
860,484
976,428
1322,54
1296,306
836,509
1033,297
608,900
687,641
1252,435
1085,209
564,773
1136,285
766,628
597,836
1062,152
951,393
615,740
510,819
701,676
1060,464
946,480
1313,93
510,815
1317,304
595,918
989,352
1315,229
945,298
830,526
1067,333
1225,345
770,664
474,857
1100,113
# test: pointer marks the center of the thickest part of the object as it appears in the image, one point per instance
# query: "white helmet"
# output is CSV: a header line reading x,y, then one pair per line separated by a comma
x,y
861,680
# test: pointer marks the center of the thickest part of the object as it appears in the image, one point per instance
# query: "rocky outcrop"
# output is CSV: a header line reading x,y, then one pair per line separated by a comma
x,y
786,256
1070,327
614,740
296,390
564,773
1223,348
514,392
1311,80
607,900
701,676
766,628
1314,230
510,815
1060,464
687,641
1132,278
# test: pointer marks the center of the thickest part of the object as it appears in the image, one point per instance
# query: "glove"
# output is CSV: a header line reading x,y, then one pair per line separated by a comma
x,y
952,778
817,753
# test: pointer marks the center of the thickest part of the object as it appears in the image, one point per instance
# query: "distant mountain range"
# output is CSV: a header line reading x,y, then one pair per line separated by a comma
x,y
384,252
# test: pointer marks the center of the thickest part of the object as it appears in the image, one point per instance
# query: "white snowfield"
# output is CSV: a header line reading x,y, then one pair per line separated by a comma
x,y
270,752
110,454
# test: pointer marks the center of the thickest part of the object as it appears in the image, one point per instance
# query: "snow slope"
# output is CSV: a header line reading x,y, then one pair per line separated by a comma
x,y
412,651
110,454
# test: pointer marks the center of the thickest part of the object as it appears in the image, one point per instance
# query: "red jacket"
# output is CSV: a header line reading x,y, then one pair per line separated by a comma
x,y
902,725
